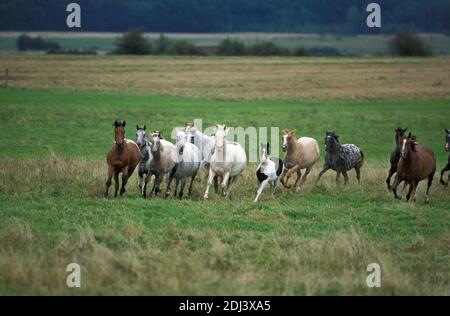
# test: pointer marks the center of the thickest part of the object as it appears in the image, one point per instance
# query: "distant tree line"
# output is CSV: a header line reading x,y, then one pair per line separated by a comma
x,y
134,42
315,16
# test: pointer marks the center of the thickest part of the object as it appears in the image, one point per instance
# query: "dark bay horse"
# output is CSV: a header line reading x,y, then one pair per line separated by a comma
x,y
395,155
447,167
416,163
123,157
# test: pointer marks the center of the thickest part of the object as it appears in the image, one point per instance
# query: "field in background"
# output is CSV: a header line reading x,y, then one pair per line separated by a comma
x,y
57,128
249,78
359,45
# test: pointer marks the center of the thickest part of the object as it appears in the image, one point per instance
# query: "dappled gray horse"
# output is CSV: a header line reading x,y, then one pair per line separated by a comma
x,y
341,158
146,157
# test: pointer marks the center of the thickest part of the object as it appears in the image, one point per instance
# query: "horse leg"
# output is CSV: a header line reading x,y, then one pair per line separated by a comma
x,y
124,180
144,187
230,182
176,187
395,185
430,181
224,184
273,186
211,176
183,183
392,170
296,184
108,182
216,184
338,177
446,168
344,173
408,196
324,169
192,182
261,189
116,183
358,174
305,175
413,195
288,175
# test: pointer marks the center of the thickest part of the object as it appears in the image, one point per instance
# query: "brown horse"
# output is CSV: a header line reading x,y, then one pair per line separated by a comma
x,y
123,157
416,163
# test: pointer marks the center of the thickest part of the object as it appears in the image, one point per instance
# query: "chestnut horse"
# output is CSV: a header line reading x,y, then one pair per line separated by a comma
x,y
447,167
123,157
416,163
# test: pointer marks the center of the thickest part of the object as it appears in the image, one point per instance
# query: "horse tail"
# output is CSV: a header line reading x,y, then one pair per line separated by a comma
x,y
362,158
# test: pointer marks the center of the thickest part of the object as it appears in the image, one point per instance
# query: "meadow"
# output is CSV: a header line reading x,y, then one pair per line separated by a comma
x,y
56,129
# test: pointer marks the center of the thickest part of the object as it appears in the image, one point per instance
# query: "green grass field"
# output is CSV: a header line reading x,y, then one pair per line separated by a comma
x,y
319,242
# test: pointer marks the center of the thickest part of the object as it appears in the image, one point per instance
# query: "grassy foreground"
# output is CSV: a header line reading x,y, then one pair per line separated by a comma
x,y
52,150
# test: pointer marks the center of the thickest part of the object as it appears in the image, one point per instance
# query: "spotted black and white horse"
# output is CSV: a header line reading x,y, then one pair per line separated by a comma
x,y
341,158
447,167
269,171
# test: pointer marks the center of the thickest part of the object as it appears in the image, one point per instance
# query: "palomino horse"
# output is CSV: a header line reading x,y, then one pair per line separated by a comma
x,y
301,153
447,167
123,157
228,161
416,163
186,158
395,155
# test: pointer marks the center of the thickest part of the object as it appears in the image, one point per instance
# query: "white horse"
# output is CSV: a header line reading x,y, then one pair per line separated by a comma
x,y
185,163
203,142
228,161
160,164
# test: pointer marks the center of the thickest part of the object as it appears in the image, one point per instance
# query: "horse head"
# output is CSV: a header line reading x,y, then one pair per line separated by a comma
x,y
119,130
190,131
220,134
409,144
399,133
287,136
331,141
264,147
156,142
140,136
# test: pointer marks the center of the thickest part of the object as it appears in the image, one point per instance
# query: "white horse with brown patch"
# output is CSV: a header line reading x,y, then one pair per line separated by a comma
x,y
227,162
301,154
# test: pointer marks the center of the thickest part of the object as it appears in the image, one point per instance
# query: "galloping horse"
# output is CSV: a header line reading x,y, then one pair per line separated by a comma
x,y
416,163
301,153
395,155
447,167
123,157
228,161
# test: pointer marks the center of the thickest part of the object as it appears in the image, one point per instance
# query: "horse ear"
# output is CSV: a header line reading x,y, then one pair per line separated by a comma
x,y
145,127
137,126
293,132
124,123
116,123
447,131
161,135
405,130
409,135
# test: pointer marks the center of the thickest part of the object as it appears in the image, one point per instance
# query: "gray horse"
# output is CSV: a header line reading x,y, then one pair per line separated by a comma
x,y
341,158
146,159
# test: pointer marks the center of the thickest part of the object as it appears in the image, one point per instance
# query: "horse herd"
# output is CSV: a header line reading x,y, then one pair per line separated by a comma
x,y
224,161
